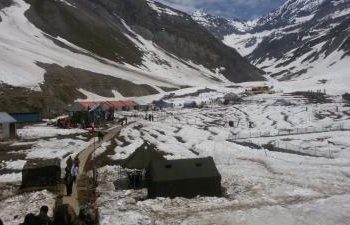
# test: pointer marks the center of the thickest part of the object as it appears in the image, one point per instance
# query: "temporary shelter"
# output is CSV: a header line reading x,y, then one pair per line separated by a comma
x,y
190,104
183,178
39,172
32,117
7,126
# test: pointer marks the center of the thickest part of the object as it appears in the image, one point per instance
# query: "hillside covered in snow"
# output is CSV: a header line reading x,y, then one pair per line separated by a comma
x,y
50,50
301,40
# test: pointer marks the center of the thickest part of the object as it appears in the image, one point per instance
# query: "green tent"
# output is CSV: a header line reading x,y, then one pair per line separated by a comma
x,y
184,178
142,157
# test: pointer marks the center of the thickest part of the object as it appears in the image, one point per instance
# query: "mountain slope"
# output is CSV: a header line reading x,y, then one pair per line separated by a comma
x,y
219,26
303,39
140,42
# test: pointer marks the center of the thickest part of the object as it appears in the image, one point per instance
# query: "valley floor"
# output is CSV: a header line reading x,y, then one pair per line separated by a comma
x,y
305,179
286,177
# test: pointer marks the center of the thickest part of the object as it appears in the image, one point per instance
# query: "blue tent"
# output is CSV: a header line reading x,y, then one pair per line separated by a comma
x,y
190,104
32,117
163,104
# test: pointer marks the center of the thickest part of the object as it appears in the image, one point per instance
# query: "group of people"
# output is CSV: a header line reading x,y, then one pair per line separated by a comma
x,y
72,172
62,215
149,117
41,219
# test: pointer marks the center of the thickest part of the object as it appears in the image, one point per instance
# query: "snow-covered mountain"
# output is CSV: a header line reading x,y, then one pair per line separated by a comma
x,y
221,27
302,40
61,50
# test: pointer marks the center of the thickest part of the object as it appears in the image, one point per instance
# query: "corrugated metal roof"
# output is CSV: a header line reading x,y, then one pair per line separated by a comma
x,y
115,104
88,104
6,118
129,103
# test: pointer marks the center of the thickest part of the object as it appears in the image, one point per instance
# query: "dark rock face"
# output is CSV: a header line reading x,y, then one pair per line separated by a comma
x,y
90,26
315,38
308,29
4,4
61,88
97,26
217,25
297,38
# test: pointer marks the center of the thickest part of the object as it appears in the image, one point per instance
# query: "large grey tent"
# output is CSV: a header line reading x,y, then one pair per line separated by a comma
x,y
139,161
41,172
142,157
184,178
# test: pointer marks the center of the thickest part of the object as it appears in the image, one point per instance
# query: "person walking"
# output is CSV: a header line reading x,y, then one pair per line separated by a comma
x,y
75,172
68,181
76,161
69,162
100,136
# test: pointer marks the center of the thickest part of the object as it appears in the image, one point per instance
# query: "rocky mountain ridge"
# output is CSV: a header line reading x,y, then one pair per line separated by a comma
x,y
139,43
302,39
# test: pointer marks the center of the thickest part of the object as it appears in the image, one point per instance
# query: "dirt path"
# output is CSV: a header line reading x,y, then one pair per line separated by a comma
x,y
84,156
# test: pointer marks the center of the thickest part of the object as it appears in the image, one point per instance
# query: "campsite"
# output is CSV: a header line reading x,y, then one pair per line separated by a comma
x,y
174,112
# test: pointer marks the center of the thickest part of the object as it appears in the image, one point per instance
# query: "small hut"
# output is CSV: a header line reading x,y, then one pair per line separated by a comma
x,y
41,172
161,104
7,126
143,105
79,112
184,178
32,117
231,98
190,104
129,105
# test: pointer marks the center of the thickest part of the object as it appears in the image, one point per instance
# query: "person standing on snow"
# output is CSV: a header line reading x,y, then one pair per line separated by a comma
x,y
75,172
68,181
76,161
69,162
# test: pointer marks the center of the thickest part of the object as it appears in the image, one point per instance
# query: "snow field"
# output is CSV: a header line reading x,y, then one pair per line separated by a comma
x,y
13,210
46,142
259,185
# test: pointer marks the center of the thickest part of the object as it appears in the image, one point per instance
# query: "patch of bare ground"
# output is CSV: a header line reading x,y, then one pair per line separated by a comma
x,y
177,214
105,158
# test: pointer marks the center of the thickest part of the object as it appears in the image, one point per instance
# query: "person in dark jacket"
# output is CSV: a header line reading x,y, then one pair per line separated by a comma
x,y
68,181
44,218
69,162
100,136
31,219
76,161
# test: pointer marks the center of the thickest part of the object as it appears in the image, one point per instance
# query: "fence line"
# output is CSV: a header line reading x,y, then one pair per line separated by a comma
x,y
285,132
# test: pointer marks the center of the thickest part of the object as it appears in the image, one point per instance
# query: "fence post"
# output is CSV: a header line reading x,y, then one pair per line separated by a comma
x,y
315,150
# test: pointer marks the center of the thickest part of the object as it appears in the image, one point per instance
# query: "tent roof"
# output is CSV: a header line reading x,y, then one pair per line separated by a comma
x,y
113,104
142,158
88,104
6,118
39,163
181,169
129,103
